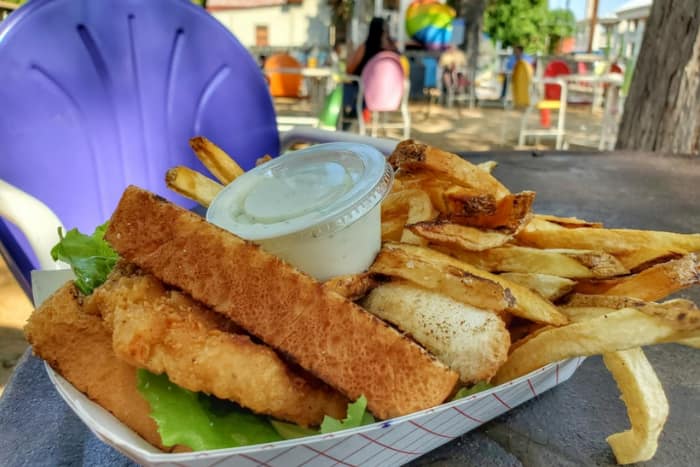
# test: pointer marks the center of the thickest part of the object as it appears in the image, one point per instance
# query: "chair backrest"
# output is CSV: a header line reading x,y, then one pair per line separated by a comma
x,y
281,70
383,82
555,68
99,95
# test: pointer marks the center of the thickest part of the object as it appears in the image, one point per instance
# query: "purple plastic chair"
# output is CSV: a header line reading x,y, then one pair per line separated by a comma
x,y
96,95
385,89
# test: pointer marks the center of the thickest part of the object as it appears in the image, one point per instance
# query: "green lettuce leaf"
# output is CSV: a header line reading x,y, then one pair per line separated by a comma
x,y
90,256
199,421
478,387
291,430
357,415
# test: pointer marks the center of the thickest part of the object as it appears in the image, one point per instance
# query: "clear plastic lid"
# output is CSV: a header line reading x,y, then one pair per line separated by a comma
x,y
314,191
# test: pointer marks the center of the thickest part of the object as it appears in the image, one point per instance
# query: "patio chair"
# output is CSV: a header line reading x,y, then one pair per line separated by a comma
x,y
384,89
99,95
537,101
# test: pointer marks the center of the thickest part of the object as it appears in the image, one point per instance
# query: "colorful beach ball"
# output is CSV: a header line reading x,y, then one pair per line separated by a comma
x,y
430,22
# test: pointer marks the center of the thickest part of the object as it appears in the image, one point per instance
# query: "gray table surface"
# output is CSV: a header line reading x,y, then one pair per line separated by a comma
x,y
564,426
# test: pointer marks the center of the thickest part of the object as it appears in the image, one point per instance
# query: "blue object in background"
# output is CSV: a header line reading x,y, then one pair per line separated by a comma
x,y
97,95
430,79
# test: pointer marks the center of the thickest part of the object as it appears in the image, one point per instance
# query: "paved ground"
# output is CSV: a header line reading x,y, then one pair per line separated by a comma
x,y
453,129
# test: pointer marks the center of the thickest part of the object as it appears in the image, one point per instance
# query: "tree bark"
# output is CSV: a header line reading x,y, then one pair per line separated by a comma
x,y
662,110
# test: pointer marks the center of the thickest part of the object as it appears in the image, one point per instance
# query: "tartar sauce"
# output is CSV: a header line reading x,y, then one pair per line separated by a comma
x,y
317,208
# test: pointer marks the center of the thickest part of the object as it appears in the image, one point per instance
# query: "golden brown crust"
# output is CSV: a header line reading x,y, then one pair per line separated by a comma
x,y
165,331
352,286
78,346
325,333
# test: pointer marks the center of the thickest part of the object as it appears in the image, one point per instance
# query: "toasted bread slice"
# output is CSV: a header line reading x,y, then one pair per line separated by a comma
x,y
471,341
325,333
78,346
166,331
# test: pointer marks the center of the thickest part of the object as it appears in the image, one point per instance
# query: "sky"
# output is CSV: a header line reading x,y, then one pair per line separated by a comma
x,y
579,6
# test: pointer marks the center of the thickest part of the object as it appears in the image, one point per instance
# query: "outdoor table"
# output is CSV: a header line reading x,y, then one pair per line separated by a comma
x,y
564,426
317,79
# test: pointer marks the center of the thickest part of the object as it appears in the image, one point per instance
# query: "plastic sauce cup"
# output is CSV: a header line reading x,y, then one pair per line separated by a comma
x,y
316,208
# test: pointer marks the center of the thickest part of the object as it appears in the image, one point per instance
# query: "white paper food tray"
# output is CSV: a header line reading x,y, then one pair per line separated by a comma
x,y
390,442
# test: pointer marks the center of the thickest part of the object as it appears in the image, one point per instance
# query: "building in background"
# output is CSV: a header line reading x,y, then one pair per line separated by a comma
x,y
276,24
618,34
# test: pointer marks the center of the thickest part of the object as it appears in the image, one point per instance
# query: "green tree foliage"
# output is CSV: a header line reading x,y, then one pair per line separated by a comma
x,y
529,23
561,23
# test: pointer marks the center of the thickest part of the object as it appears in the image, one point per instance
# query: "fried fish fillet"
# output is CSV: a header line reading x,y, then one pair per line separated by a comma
x,y
323,332
166,331
471,341
78,346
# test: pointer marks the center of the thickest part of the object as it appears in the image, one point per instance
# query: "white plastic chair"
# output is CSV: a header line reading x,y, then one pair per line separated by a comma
x,y
537,102
39,225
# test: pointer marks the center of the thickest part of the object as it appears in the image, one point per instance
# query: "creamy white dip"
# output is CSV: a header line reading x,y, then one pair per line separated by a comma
x,y
317,208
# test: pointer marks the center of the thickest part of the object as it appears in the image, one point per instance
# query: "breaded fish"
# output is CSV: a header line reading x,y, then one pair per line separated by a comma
x,y
78,346
471,341
323,332
166,331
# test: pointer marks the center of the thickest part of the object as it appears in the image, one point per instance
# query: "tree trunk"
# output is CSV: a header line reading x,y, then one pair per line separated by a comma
x,y
662,110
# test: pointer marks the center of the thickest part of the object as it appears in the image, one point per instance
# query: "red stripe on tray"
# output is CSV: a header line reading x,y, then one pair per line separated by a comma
x,y
502,401
557,374
431,431
364,446
325,454
532,388
412,453
468,416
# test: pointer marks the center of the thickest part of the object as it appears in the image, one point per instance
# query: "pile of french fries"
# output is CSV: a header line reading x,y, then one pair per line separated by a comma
x,y
565,287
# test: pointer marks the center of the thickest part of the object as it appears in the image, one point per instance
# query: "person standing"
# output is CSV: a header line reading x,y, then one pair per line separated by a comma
x,y
378,40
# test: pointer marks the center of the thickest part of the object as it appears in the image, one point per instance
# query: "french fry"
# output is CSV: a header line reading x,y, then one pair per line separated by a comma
x,y
487,166
550,287
680,313
541,234
220,164
567,222
654,283
618,330
392,228
425,181
575,264
647,406
410,156
404,207
192,184
691,342
465,207
400,260
420,209
642,259
459,236
396,260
